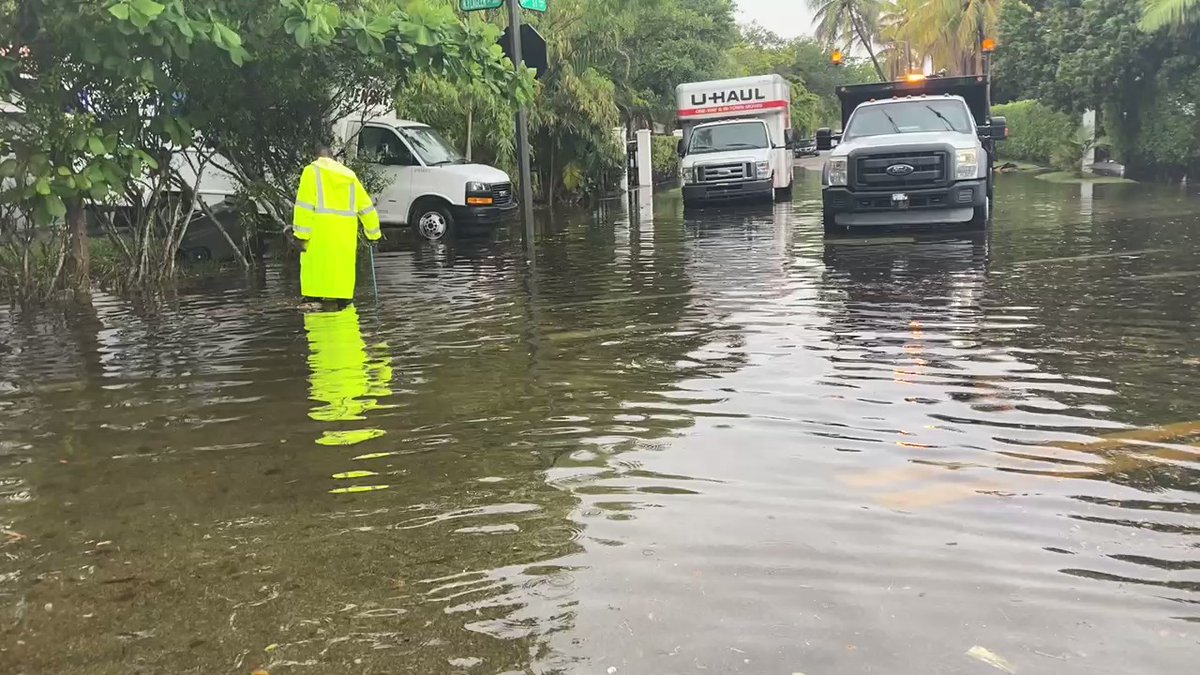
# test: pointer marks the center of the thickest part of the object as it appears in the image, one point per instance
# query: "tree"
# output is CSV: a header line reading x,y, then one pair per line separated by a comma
x,y
848,23
1170,14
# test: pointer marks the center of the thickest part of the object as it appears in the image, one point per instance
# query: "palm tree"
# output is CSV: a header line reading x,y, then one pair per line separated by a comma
x,y
1170,14
947,31
848,22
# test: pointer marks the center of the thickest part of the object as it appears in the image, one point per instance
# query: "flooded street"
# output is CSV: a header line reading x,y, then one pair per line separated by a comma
x,y
720,443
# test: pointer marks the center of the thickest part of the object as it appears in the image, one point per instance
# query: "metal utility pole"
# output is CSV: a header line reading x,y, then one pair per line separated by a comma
x,y
514,18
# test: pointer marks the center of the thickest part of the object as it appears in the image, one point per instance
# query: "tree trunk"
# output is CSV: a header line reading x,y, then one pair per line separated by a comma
x,y
866,42
470,127
79,254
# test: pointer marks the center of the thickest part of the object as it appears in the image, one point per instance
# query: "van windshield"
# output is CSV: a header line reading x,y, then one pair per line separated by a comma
x,y
909,117
431,146
740,136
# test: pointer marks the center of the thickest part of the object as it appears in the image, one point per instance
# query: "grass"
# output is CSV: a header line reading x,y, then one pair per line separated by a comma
x,y
1067,177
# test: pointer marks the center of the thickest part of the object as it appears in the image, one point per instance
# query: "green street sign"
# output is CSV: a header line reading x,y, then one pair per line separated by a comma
x,y
534,5
478,5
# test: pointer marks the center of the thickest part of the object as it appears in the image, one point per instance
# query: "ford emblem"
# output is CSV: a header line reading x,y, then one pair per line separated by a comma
x,y
900,169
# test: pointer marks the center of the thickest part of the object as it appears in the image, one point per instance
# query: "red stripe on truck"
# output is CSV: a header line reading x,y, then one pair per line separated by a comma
x,y
737,107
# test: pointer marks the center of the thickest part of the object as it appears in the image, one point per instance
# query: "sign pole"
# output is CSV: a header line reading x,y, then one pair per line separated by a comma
x,y
514,18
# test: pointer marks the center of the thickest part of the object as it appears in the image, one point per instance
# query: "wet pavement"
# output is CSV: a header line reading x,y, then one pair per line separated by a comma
x,y
720,443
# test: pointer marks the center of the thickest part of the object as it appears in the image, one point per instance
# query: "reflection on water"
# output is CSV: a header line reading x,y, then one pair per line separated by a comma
x,y
720,443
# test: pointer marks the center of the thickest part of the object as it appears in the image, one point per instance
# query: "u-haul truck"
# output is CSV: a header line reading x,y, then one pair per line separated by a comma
x,y
737,139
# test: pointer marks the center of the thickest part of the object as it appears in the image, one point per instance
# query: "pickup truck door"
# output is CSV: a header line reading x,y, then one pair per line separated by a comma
x,y
396,164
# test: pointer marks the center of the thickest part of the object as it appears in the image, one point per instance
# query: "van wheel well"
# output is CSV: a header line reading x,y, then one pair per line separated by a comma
x,y
425,202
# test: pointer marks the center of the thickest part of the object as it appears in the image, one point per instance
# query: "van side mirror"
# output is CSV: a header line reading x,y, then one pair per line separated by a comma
x,y
679,147
789,139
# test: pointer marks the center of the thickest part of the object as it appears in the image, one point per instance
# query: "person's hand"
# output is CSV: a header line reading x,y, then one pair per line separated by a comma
x,y
303,245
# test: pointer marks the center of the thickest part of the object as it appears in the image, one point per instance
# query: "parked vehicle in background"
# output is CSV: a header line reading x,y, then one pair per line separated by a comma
x,y
913,152
807,147
737,139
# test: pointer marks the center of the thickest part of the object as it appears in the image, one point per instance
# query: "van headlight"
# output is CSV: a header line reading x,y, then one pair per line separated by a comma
x,y
477,188
966,164
762,169
837,171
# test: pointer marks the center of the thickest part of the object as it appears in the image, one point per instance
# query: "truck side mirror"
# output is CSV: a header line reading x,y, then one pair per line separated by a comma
x,y
824,138
679,147
998,129
789,139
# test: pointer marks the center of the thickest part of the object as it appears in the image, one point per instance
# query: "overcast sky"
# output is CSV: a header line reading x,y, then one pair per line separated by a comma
x,y
788,18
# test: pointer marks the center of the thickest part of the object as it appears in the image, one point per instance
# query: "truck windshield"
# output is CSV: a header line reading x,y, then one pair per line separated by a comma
x,y
909,117
431,146
742,136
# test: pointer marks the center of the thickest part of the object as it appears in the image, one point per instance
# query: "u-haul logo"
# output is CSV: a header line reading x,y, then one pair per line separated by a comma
x,y
731,97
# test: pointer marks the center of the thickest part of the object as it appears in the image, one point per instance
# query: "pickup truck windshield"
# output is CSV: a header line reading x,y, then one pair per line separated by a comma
x,y
740,136
429,144
909,117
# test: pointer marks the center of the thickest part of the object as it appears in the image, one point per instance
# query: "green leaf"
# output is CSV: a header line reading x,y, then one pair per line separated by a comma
x,y
96,145
110,143
55,206
91,53
98,191
42,187
150,161
148,8
121,11
303,36
8,168
64,171
147,73
363,41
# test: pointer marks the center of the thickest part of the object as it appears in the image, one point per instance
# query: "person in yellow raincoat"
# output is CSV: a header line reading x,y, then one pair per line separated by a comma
x,y
329,205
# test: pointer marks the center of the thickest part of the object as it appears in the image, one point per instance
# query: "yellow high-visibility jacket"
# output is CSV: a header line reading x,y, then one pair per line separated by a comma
x,y
329,205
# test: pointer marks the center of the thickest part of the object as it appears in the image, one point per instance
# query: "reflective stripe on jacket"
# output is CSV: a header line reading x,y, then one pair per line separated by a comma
x,y
329,205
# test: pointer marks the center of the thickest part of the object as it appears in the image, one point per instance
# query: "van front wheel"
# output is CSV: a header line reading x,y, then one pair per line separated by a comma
x,y
432,221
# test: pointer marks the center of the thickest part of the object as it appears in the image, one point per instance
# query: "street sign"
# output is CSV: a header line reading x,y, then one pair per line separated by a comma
x,y
478,5
533,48
533,5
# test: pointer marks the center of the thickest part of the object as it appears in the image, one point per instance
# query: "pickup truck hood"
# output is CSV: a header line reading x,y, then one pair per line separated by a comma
x,y
901,141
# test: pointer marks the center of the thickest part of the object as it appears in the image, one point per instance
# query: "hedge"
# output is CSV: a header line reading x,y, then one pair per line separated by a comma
x,y
1035,131
664,158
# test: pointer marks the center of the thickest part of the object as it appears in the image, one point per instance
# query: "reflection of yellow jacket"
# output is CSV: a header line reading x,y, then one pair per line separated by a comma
x,y
342,376
329,204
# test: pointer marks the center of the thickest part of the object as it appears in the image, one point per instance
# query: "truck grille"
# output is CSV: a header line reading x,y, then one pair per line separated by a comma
x,y
502,194
719,173
929,169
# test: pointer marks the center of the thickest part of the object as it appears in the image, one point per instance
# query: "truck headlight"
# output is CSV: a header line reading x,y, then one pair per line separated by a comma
x,y
477,188
966,164
689,175
762,169
837,172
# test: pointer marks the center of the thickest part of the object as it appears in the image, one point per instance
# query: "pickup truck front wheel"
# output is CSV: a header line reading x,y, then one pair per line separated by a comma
x,y
829,222
982,216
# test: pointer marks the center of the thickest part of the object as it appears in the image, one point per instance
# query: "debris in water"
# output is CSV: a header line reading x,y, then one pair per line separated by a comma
x,y
349,437
990,658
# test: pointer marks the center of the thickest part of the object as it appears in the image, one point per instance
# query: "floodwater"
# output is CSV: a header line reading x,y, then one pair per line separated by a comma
x,y
720,443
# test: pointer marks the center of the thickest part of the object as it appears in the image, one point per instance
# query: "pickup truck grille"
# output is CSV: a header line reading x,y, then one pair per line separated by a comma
x,y
718,173
929,169
502,194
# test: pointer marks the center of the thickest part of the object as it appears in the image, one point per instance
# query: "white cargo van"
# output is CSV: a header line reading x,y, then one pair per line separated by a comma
x,y
737,139
430,186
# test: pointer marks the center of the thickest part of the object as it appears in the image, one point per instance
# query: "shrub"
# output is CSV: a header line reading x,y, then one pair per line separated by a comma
x,y
664,158
1036,133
